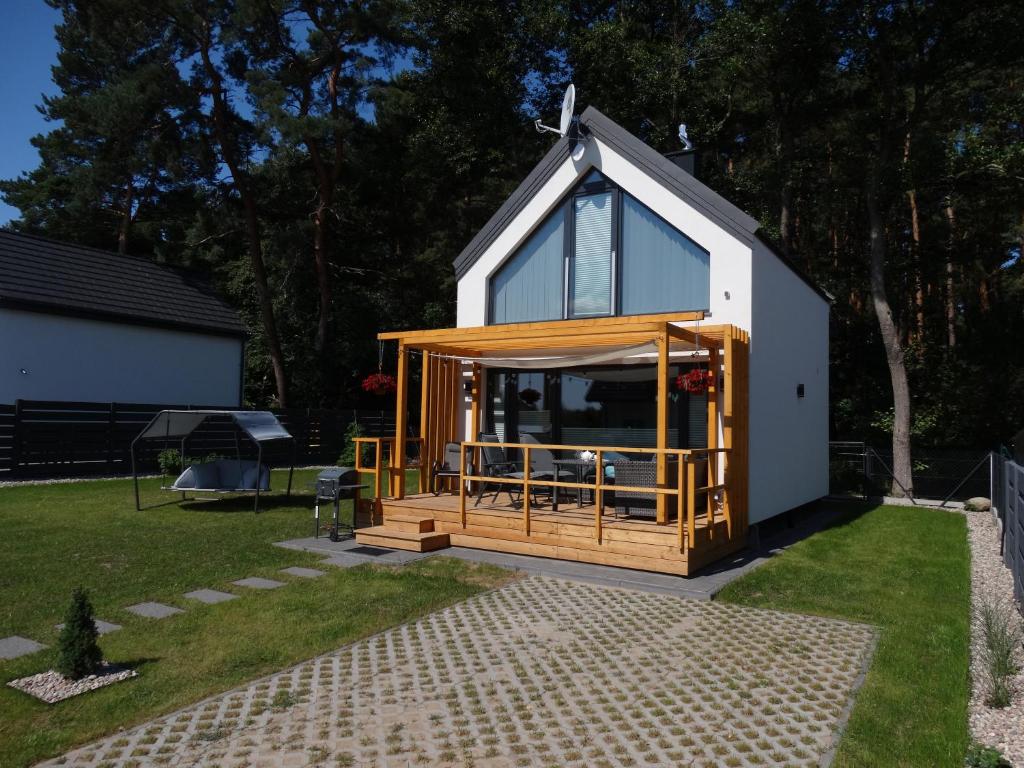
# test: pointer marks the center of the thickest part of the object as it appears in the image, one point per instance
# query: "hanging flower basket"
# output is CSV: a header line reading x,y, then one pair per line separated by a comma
x,y
529,396
380,383
695,381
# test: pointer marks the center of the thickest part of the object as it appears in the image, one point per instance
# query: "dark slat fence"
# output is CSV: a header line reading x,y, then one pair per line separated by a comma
x,y
1008,499
40,439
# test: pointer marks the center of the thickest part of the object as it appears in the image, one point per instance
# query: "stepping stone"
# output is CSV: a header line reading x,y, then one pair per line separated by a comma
x,y
154,610
345,560
12,647
102,627
210,596
305,573
255,582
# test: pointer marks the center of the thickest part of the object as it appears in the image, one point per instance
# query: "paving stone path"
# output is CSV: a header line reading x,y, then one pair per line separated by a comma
x,y
153,610
255,582
539,672
210,596
14,646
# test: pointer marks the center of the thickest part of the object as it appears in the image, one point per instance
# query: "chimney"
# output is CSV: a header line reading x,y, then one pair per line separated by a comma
x,y
687,160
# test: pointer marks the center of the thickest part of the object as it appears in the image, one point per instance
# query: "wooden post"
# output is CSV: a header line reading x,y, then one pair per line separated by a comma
x,y
462,487
426,449
474,419
691,503
681,503
662,437
728,415
401,418
598,493
526,490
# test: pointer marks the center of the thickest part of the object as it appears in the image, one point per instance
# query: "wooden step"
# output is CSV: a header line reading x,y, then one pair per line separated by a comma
x,y
392,538
409,523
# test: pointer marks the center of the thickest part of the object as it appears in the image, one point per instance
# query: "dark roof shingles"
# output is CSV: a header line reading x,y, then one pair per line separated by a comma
x,y
44,274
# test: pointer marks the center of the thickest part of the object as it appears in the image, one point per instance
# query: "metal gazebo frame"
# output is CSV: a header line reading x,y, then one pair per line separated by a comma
x,y
258,426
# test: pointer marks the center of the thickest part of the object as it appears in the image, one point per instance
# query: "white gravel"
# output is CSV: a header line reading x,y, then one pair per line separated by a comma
x,y
991,580
52,686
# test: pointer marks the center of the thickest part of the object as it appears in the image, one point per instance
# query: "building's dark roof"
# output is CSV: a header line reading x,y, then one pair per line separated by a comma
x,y
684,185
45,275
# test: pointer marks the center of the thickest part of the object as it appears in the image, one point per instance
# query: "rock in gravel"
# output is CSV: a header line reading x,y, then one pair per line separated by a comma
x,y
978,504
52,686
992,582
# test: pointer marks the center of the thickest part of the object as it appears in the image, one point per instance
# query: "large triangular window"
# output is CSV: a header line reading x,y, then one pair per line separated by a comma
x,y
600,252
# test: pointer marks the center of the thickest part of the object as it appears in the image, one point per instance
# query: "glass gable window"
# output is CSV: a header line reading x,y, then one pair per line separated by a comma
x,y
529,285
592,256
601,252
662,269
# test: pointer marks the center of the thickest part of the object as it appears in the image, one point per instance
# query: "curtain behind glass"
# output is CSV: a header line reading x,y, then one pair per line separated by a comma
x,y
592,265
529,285
662,269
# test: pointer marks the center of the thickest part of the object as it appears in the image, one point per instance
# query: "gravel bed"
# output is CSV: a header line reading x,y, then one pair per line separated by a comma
x,y
52,686
991,580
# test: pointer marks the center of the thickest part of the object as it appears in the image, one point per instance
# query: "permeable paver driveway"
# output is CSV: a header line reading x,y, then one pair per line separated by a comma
x,y
540,672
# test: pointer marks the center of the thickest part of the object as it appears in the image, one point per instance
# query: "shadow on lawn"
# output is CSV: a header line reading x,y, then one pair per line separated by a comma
x,y
235,504
779,533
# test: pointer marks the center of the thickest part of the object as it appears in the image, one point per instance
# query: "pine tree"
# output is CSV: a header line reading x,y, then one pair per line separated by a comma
x,y
78,654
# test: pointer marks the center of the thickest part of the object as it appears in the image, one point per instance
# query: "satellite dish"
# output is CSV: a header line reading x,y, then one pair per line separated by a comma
x,y
565,124
687,144
568,103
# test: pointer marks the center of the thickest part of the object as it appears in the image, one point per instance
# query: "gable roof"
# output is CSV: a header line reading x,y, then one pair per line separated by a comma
x,y
683,185
44,275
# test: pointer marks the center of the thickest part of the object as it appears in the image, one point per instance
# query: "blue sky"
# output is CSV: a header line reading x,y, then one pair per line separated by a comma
x,y
27,51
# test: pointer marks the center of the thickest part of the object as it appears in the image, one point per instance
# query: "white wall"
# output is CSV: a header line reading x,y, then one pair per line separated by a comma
x,y
788,346
730,258
68,358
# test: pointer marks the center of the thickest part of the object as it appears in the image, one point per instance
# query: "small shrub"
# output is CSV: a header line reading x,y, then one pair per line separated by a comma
x,y
1002,636
78,654
169,460
348,455
979,756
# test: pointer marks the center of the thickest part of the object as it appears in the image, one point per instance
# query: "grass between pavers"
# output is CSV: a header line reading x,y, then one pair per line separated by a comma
x,y
907,571
58,536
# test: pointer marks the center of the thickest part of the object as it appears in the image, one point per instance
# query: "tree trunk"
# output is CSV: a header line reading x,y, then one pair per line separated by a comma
x,y
950,287
915,244
903,483
126,218
221,132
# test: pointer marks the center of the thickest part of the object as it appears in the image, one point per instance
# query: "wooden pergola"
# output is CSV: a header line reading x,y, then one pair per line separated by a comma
x,y
445,373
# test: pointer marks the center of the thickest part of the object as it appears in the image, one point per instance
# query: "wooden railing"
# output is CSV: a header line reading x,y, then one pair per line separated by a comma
x,y
686,490
393,467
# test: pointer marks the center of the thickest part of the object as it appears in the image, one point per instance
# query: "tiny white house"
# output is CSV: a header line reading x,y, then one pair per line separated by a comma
x,y
616,312
82,324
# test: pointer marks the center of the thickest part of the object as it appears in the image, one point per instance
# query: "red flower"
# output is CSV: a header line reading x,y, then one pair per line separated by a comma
x,y
380,383
695,381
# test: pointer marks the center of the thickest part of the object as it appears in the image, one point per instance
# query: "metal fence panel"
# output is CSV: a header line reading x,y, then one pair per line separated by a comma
x,y
1009,503
40,439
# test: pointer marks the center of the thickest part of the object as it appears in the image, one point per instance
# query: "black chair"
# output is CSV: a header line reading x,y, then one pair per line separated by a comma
x,y
543,467
449,468
640,474
494,463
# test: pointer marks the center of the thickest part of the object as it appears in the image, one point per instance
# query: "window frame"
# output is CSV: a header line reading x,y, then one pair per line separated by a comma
x,y
584,188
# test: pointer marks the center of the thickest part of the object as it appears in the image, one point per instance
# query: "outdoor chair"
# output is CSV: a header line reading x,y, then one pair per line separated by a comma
x,y
640,474
449,467
542,465
494,463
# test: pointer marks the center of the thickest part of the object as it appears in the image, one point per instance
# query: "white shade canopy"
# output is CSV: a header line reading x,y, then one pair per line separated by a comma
x,y
259,426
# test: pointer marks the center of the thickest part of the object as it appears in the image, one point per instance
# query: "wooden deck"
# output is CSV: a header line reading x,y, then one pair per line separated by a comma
x,y
566,534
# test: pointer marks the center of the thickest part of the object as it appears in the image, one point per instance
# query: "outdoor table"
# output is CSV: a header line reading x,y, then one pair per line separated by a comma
x,y
579,469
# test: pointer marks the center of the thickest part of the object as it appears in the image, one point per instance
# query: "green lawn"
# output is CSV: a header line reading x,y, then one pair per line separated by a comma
x,y
907,571
58,536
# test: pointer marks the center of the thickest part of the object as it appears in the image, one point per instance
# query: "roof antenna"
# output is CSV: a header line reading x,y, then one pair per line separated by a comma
x,y
684,138
568,125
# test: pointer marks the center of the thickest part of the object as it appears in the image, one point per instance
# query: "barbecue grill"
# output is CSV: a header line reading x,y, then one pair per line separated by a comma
x,y
332,485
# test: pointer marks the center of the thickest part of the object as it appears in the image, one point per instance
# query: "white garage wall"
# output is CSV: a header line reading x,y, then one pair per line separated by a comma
x,y
69,358
788,346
